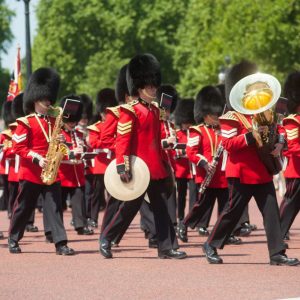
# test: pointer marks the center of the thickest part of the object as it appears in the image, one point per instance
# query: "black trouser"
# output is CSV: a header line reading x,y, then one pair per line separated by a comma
x,y
98,196
88,193
147,220
290,204
182,185
78,205
13,187
201,212
4,197
25,204
239,196
127,211
171,206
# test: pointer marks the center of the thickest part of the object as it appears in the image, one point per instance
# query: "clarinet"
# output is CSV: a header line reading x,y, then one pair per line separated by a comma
x,y
209,175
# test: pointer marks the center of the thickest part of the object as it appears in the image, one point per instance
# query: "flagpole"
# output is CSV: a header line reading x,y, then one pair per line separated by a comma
x,y
28,44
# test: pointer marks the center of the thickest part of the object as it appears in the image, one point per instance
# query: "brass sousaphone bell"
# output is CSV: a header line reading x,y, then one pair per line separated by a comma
x,y
131,190
257,95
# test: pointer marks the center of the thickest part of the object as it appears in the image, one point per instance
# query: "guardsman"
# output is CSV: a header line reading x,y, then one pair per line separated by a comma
x,y
246,172
138,128
290,204
31,142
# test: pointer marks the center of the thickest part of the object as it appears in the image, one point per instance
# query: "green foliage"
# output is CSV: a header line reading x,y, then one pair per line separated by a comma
x,y
266,32
5,38
88,41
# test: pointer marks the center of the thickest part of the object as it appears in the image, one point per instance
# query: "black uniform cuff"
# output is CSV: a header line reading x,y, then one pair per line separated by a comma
x,y
35,160
250,138
165,144
121,169
202,163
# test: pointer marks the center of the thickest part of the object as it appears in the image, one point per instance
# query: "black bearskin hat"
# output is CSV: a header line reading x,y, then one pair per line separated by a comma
x,y
291,91
6,113
209,101
72,112
184,112
105,98
169,90
142,70
236,73
121,90
42,84
17,107
87,112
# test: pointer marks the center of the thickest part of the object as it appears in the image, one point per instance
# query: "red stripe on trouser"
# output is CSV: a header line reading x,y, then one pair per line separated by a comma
x,y
289,190
112,222
220,217
16,205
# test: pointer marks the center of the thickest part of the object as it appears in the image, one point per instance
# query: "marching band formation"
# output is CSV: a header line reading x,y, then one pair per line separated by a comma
x,y
145,150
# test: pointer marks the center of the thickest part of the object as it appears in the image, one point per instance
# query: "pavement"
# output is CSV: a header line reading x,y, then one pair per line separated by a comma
x,y
135,272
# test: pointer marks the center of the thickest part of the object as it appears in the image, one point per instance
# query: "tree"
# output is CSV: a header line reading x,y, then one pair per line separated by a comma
x,y
266,32
88,41
5,38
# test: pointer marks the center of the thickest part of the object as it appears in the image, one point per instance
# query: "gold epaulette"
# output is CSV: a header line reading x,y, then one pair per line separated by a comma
x,y
114,110
230,115
93,127
162,114
7,132
292,117
197,128
155,104
129,106
12,125
24,120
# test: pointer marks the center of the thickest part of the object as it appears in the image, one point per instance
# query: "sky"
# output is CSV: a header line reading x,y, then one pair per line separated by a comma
x,y
18,30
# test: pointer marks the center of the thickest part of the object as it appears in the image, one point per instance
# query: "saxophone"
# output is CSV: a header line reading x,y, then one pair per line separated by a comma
x,y
56,152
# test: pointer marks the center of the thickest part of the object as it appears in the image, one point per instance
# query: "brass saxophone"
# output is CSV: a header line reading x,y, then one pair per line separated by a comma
x,y
56,151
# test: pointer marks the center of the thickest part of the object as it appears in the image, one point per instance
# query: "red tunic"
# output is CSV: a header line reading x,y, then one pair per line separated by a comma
x,y
292,126
105,155
11,157
202,145
8,157
139,134
29,141
182,163
71,171
243,161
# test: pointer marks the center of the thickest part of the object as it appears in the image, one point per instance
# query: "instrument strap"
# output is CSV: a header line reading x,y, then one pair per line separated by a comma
x,y
43,129
213,145
244,121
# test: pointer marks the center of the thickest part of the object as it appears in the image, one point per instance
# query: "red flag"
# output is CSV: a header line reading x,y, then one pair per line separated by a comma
x,y
15,85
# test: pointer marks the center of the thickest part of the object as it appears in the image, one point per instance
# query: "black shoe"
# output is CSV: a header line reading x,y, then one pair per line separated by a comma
x,y
203,231
152,243
248,225
64,250
211,254
114,244
92,223
49,238
31,228
287,237
243,231
233,240
72,223
1,235
13,246
173,254
283,260
84,231
182,232
105,247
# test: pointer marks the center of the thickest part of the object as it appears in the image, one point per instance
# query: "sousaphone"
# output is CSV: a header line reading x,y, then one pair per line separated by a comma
x,y
257,95
134,188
